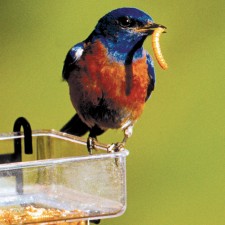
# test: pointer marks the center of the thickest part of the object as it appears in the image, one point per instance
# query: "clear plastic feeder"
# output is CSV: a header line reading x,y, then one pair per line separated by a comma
x,y
60,181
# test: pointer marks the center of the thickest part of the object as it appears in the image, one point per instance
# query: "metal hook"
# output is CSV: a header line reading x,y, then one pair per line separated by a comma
x,y
17,155
21,121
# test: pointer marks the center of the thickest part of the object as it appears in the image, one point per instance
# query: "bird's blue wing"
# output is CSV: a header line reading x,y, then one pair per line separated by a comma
x,y
72,56
151,74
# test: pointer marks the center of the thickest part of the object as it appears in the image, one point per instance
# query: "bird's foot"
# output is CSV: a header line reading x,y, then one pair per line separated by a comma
x,y
116,147
91,143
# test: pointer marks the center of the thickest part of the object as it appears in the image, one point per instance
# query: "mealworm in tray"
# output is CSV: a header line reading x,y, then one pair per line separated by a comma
x,y
32,215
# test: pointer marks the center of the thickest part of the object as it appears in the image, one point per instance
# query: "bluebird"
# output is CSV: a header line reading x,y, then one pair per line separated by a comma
x,y
110,76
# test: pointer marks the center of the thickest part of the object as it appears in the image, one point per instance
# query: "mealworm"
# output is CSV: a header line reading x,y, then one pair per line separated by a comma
x,y
156,47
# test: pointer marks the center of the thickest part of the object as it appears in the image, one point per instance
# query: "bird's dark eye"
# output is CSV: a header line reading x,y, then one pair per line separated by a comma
x,y
125,22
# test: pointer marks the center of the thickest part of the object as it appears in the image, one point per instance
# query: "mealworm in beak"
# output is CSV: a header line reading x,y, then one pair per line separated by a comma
x,y
156,47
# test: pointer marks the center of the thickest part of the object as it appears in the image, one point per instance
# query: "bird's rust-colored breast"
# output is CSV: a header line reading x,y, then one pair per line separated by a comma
x,y
124,86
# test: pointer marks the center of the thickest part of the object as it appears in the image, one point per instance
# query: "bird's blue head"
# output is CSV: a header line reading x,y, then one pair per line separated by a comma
x,y
123,28
126,21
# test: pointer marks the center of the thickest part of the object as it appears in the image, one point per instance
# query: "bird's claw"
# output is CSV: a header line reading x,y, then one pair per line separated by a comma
x,y
116,147
91,143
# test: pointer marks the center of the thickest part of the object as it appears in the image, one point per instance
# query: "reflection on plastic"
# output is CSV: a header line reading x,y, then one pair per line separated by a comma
x,y
62,180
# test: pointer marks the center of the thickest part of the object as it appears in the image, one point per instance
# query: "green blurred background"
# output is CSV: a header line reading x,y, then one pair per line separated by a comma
x,y
176,165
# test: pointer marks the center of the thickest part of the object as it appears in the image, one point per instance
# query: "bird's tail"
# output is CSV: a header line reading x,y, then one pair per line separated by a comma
x,y
75,126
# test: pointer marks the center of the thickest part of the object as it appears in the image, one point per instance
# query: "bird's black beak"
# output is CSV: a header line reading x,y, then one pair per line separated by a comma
x,y
149,28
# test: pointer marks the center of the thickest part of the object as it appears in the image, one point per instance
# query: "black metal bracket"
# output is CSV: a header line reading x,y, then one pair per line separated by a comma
x,y
17,155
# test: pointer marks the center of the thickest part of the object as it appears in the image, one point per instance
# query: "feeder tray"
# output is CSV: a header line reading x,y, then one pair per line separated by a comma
x,y
55,180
